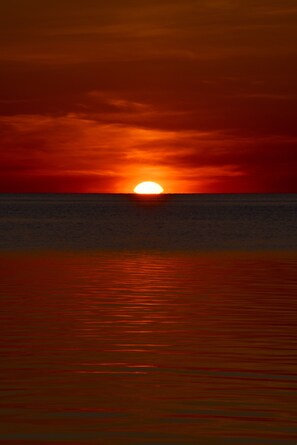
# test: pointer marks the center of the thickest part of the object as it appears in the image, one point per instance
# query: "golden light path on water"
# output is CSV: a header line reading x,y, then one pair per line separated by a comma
x,y
148,348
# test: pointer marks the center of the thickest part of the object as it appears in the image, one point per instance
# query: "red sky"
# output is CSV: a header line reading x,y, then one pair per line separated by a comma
x,y
197,95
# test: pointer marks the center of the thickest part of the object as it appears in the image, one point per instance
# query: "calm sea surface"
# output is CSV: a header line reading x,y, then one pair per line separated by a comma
x,y
129,320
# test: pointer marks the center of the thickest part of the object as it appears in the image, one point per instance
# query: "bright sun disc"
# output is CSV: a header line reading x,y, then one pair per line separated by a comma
x,y
148,188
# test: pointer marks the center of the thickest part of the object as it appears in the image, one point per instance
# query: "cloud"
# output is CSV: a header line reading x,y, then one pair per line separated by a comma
x,y
199,95
58,33
113,157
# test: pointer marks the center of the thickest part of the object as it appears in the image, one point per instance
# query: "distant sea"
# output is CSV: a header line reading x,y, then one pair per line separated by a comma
x,y
154,223
148,320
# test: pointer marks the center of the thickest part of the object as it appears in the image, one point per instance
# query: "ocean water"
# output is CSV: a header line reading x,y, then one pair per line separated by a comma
x,y
148,320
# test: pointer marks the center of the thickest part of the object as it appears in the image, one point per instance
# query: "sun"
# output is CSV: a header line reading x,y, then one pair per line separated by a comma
x,y
148,188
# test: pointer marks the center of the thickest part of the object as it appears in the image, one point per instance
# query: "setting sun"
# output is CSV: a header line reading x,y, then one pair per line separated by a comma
x,y
148,188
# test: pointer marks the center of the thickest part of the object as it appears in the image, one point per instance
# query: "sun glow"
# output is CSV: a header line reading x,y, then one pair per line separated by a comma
x,y
148,188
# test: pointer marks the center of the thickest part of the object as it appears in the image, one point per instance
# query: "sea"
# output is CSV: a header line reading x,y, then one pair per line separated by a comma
x,y
148,320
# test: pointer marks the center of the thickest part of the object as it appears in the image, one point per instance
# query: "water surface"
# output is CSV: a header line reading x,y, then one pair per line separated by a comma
x,y
162,222
107,339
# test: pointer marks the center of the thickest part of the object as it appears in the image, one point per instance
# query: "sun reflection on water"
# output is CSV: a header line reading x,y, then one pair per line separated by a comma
x,y
135,342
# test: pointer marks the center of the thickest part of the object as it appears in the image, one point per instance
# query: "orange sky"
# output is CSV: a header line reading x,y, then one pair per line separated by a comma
x,y
199,96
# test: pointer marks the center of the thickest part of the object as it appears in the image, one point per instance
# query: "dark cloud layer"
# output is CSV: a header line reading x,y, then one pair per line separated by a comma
x,y
198,95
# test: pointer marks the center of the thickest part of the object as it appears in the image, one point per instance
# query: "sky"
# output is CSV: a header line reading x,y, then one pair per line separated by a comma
x,y
199,96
